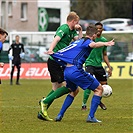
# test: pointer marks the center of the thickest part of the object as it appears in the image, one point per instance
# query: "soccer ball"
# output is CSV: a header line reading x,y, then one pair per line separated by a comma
x,y
107,91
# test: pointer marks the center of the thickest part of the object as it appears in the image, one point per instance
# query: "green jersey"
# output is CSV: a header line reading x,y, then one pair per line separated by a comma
x,y
96,56
66,36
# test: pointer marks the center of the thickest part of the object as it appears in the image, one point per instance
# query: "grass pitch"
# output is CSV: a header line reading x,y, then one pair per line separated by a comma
x,y
19,107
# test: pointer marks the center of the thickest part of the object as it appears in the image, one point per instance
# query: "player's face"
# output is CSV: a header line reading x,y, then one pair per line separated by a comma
x,y
99,30
94,36
75,22
3,37
17,38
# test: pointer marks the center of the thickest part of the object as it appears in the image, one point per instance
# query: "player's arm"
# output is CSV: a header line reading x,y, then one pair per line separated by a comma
x,y
22,54
22,48
9,55
106,60
53,44
80,35
100,44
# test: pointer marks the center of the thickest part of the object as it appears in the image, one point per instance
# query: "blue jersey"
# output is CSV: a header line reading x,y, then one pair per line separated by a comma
x,y
0,46
75,54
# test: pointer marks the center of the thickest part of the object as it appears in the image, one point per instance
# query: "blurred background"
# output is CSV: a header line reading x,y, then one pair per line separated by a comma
x,y
37,20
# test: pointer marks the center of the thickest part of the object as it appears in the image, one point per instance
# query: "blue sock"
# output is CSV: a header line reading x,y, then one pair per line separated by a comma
x,y
68,101
94,105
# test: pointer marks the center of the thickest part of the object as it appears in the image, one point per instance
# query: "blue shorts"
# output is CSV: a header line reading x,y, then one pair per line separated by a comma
x,y
78,77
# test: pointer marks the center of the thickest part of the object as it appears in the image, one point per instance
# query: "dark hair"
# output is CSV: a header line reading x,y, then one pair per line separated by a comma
x,y
2,31
98,23
17,36
91,30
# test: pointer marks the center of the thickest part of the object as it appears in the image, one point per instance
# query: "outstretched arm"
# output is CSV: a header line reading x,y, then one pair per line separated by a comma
x,y
100,44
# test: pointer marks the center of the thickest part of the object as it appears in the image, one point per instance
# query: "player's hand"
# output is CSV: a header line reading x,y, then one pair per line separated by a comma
x,y
49,52
10,57
78,27
110,43
22,55
1,64
110,72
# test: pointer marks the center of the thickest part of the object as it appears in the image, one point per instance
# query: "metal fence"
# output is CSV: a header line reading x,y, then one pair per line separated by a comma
x,y
36,43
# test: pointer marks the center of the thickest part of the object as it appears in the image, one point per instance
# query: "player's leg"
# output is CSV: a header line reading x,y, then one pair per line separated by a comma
x,y
57,77
94,103
87,92
45,103
102,78
18,74
84,80
56,94
11,76
68,101
71,79
56,74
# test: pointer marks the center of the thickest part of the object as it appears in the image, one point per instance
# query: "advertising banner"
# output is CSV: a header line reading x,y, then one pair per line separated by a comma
x,y
28,71
121,70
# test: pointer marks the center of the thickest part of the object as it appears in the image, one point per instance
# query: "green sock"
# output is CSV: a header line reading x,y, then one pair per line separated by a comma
x,y
87,92
50,93
56,94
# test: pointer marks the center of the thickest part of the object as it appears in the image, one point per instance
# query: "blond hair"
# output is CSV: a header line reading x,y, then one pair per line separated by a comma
x,y
72,16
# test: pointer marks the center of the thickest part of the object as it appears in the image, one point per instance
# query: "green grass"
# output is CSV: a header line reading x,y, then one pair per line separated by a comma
x,y
19,107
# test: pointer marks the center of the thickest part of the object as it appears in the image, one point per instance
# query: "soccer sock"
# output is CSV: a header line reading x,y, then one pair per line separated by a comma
x,y
86,96
94,105
68,101
56,94
50,93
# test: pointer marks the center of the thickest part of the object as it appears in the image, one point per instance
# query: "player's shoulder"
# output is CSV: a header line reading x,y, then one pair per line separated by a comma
x,y
104,39
21,44
63,29
64,26
13,44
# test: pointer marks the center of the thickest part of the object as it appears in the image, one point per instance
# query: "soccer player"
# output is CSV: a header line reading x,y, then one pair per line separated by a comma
x,y
73,57
64,35
3,35
93,65
17,54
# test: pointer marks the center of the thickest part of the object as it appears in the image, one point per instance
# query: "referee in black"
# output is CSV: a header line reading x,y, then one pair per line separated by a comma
x,y
17,54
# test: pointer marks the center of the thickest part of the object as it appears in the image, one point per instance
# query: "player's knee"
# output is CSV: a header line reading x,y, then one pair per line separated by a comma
x,y
75,92
98,91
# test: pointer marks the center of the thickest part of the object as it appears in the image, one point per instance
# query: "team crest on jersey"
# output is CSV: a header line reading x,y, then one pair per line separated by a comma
x,y
62,33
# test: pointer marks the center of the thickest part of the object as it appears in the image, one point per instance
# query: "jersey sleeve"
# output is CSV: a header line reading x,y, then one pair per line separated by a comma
x,y
0,45
22,47
62,31
75,33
